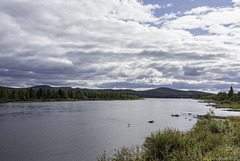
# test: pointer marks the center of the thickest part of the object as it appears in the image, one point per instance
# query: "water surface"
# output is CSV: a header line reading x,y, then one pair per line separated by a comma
x,y
65,131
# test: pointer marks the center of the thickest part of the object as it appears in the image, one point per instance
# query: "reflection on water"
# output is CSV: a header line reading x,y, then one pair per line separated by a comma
x,y
55,131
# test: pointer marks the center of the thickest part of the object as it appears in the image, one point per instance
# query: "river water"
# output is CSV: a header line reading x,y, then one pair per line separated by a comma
x,y
82,130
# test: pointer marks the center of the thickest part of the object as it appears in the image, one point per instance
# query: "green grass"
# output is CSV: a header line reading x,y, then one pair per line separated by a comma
x,y
209,139
232,105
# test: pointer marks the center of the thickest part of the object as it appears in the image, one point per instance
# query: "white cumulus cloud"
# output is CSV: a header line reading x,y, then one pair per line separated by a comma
x,y
96,43
236,2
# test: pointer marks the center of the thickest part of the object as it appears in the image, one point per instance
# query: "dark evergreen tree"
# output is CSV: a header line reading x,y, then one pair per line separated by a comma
x,y
62,93
27,95
230,93
14,95
22,94
32,93
49,93
70,94
4,92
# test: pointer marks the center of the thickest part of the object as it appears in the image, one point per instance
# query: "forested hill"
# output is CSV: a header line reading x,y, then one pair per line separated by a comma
x,y
163,93
172,93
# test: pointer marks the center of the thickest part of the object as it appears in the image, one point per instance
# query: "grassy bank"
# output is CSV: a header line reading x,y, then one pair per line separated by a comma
x,y
209,139
228,100
230,103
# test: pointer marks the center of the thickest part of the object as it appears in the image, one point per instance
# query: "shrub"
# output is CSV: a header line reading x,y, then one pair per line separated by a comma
x,y
226,152
125,154
166,144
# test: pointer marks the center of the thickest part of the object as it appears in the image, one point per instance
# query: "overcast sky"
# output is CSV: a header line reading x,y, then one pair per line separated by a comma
x,y
138,44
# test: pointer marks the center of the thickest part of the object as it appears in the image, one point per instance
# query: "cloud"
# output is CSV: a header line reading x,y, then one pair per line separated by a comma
x,y
117,43
188,71
133,10
236,2
122,85
200,10
221,24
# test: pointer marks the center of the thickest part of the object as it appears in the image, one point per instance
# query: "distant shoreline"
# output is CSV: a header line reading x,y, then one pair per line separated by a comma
x,y
66,100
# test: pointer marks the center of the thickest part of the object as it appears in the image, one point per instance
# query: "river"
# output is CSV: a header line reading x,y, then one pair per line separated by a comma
x,y
82,130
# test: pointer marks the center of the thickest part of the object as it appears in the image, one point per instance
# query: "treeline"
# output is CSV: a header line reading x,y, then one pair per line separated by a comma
x,y
43,94
225,97
229,100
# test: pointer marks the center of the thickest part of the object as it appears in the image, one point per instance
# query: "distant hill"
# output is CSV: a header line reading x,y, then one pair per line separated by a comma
x,y
172,93
152,93
42,86
52,88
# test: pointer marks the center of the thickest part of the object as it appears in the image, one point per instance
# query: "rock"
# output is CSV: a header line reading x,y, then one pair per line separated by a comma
x,y
151,121
176,115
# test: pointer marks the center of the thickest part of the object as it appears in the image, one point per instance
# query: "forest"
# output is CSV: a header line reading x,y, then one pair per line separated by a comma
x,y
43,94
225,100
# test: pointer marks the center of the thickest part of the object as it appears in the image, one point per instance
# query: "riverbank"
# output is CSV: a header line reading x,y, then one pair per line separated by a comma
x,y
230,100
209,139
52,95
225,104
68,100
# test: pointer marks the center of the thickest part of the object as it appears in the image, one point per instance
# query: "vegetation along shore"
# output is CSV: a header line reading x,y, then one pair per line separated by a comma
x,y
47,94
229,100
209,139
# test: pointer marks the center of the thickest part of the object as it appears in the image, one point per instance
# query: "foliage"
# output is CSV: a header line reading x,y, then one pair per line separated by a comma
x,y
43,94
167,144
125,154
225,100
209,139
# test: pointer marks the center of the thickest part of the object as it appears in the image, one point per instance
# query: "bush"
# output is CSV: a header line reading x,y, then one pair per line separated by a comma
x,y
227,152
171,144
161,144
125,154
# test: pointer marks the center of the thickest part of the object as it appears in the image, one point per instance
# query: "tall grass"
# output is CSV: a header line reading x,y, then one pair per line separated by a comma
x,y
209,139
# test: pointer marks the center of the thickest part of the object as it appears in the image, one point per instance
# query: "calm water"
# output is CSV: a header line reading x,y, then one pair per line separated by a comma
x,y
72,131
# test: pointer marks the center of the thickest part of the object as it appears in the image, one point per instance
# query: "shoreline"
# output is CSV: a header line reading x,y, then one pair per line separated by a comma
x,y
66,100
232,106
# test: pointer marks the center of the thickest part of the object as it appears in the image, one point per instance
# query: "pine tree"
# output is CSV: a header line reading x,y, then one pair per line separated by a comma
x,y
230,93
49,93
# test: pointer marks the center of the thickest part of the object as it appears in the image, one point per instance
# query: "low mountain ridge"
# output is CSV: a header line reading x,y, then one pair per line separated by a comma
x,y
173,93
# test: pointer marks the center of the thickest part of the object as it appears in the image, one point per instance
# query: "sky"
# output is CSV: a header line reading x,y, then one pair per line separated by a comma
x,y
136,44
